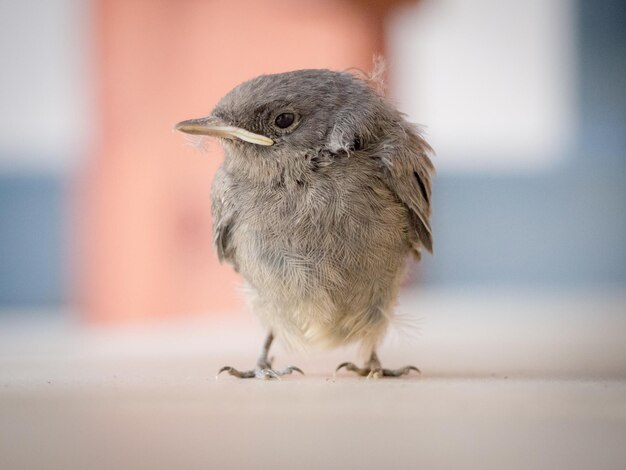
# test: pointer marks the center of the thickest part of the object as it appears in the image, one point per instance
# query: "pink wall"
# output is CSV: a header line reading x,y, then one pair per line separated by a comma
x,y
145,239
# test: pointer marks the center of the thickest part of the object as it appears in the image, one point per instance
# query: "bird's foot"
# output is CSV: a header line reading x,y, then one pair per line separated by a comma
x,y
263,370
375,371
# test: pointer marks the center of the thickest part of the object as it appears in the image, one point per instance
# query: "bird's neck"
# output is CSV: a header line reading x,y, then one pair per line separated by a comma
x,y
271,171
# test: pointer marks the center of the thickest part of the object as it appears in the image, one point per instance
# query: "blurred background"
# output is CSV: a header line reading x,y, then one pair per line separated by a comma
x,y
115,313
106,210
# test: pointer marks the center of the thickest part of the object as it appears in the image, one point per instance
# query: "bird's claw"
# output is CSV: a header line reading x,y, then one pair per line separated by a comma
x,y
266,373
376,372
352,368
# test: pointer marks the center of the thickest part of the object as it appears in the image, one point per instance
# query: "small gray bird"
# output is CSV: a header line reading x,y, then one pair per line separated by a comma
x,y
324,192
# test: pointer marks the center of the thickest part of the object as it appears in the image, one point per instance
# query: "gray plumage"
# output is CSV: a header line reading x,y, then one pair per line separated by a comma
x,y
319,223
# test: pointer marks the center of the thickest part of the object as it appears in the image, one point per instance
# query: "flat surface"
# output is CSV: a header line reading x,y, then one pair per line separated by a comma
x,y
509,381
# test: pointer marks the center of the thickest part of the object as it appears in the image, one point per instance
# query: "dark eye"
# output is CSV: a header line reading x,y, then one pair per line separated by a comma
x,y
284,120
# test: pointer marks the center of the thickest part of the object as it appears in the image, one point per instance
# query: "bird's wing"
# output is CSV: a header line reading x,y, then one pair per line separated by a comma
x,y
223,217
407,171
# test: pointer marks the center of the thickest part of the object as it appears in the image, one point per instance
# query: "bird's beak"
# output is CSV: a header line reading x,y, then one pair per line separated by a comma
x,y
215,127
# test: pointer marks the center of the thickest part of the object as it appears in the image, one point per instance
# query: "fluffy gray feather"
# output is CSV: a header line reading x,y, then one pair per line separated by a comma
x,y
320,223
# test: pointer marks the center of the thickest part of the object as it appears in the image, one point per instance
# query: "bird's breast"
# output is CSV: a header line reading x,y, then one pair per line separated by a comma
x,y
328,234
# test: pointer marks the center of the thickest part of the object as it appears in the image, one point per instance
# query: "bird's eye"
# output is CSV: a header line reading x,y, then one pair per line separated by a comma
x,y
284,120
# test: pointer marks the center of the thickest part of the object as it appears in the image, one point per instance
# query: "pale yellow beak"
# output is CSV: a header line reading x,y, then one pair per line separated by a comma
x,y
213,127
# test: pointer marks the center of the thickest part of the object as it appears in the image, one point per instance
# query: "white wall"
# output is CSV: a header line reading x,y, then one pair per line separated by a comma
x,y
493,80
45,118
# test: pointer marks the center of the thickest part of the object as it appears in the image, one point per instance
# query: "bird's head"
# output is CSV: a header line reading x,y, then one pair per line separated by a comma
x,y
284,116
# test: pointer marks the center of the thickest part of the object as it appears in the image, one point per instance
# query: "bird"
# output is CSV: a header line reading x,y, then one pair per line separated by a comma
x,y
323,195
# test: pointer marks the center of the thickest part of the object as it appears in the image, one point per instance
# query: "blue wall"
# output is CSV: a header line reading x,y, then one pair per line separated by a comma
x,y
32,270
561,229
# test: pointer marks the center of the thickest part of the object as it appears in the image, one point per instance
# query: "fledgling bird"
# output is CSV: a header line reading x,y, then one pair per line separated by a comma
x,y
324,191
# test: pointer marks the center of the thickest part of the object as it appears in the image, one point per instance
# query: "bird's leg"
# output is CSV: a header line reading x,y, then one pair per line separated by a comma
x,y
264,362
263,369
373,369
